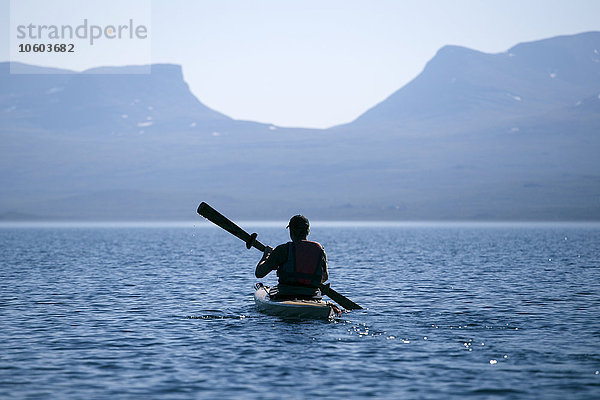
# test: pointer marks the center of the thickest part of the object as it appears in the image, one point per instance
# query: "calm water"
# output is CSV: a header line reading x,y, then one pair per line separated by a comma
x,y
453,311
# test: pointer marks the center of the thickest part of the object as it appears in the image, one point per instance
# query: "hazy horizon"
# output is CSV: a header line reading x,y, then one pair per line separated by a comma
x,y
268,224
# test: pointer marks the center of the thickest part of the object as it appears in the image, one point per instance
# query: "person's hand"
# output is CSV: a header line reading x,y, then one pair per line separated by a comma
x,y
268,251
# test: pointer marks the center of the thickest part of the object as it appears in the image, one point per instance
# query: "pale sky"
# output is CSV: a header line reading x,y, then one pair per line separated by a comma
x,y
321,63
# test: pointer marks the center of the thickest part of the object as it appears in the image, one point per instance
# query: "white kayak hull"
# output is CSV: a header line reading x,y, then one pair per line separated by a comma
x,y
311,309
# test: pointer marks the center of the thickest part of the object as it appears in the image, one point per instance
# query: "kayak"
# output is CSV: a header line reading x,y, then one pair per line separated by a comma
x,y
313,309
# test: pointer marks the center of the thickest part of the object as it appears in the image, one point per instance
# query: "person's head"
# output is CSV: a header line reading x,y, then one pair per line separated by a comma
x,y
299,227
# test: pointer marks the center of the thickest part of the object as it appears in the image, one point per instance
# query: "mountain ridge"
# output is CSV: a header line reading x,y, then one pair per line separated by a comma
x,y
447,84
109,101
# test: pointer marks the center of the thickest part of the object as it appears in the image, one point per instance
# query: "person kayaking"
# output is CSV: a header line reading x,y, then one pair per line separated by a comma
x,y
301,264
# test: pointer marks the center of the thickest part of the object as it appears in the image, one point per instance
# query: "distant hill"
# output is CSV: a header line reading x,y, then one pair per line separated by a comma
x,y
105,100
475,136
461,86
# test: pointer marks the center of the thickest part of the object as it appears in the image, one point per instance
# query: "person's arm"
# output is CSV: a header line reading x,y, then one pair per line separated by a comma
x,y
263,268
270,260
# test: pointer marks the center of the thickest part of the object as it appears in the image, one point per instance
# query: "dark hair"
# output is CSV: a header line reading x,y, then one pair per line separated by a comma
x,y
298,222
299,226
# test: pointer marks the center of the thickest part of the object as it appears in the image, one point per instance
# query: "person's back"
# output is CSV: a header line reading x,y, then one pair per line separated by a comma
x,y
301,264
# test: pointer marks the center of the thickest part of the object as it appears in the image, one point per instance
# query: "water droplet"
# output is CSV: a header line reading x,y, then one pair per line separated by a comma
x,y
597,372
424,337
483,344
505,356
492,362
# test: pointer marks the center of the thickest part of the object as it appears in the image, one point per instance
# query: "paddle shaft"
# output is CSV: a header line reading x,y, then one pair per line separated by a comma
x,y
222,221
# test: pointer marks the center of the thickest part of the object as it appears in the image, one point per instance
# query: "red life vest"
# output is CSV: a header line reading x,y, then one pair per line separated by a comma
x,y
304,265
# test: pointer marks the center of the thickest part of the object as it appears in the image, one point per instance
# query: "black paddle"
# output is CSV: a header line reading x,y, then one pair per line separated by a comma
x,y
222,221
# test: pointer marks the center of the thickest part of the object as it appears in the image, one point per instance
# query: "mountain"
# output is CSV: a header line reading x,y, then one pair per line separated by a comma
x,y
475,136
462,86
109,99
510,136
